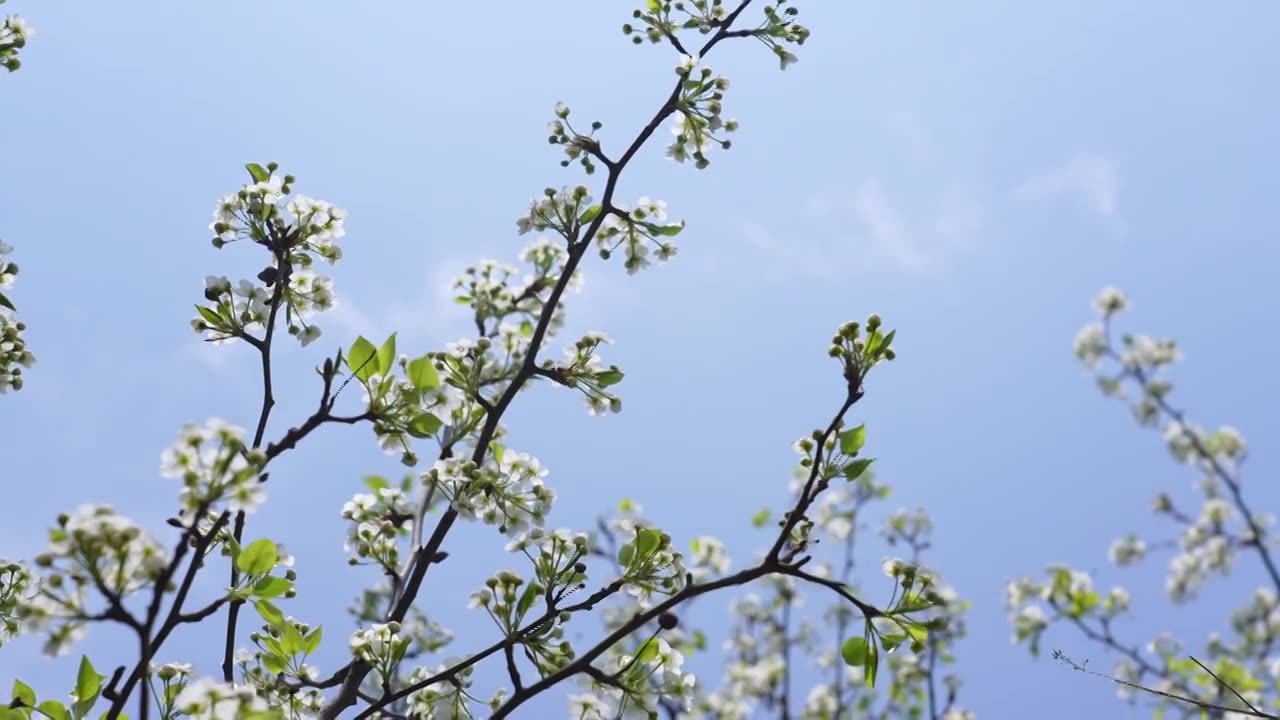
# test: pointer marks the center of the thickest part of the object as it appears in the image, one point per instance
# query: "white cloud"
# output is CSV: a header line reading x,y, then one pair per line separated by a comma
x,y
1087,177
867,228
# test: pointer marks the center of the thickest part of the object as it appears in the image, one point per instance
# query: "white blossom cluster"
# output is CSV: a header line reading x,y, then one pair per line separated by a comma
x,y
295,231
447,699
16,587
14,34
656,670
206,699
508,492
381,645
635,230
14,354
698,120
215,466
583,369
378,520
577,146
93,548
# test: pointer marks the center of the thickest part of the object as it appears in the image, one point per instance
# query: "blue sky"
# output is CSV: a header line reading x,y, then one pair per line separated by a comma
x,y
975,173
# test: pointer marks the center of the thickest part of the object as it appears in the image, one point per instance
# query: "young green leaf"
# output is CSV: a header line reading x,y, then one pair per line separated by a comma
x,y
274,664
258,558
626,554
209,316
526,598
362,359
4,302
55,710
24,694
257,172
375,482
422,373
270,587
292,641
855,469
854,651
647,541
424,425
590,214
387,355
871,665
88,683
269,613
851,441
760,518
312,640
647,652
605,378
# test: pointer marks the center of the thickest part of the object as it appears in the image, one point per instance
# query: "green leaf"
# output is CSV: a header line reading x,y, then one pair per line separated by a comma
x,y
210,316
312,640
376,483
887,339
258,558
274,663
855,469
422,373
292,641
4,302
526,328
647,541
626,554
851,441
258,172
362,359
56,710
590,214
269,612
88,683
854,651
891,641
655,6
526,598
647,652
871,665
23,692
387,355
919,636
424,425
269,587
760,518
874,342
605,378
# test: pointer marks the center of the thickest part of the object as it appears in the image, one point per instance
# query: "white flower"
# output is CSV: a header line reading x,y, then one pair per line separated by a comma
x,y
687,63
1110,301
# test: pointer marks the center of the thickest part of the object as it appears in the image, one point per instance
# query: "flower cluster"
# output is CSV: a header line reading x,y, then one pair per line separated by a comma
x,y
295,231
378,520
698,121
447,698
563,211
655,670
92,548
583,369
16,587
635,230
215,466
708,558
14,354
651,565
14,34
663,19
381,645
577,146
506,491
205,699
